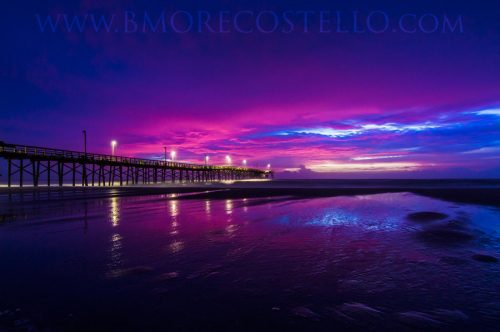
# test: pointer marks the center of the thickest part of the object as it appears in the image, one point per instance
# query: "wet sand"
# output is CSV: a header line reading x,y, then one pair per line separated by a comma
x,y
381,262
485,192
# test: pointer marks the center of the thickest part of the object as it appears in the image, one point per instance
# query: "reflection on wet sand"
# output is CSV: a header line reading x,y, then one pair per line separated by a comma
x,y
115,253
174,211
245,206
376,262
207,207
229,206
116,244
176,245
115,212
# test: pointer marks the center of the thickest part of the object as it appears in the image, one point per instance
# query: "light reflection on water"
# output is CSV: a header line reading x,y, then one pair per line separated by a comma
x,y
176,245
116,239
115,253
317,254
229,206
174,209
207,207
115,212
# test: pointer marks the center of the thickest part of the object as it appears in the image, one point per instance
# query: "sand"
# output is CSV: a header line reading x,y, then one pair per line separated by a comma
x,y
485,192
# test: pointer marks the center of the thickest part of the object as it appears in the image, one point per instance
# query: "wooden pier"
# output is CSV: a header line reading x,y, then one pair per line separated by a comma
x,y
46,166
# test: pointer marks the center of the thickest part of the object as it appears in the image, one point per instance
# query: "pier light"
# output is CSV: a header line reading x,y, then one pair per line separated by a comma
x,y
172,155
206,159
113,147
84,132
268,166
244,162
228,160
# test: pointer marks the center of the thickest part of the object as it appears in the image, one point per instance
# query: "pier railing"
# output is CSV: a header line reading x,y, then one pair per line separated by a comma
x,y
14,150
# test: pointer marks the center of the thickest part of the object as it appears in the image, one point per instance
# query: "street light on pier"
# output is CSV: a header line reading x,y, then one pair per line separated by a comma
x,y
172,155
206,160
268,166
244,162
85,142
165,150
228,159
113,147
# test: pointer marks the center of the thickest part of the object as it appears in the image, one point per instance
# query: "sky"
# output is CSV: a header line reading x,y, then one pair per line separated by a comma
x,y
317,89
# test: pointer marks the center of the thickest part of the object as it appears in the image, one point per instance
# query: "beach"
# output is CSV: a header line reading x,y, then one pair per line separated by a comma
x,y
476,191
281,255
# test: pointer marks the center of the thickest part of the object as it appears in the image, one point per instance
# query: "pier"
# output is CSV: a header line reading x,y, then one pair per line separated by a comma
x,y
40,165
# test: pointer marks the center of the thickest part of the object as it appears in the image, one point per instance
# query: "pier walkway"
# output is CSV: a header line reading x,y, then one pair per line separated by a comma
x,y
40,165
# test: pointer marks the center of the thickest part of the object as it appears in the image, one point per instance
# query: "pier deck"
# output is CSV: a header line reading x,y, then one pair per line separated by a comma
x,y
58,167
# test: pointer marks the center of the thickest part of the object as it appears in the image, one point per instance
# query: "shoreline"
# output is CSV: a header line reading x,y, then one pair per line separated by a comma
x,y
483,192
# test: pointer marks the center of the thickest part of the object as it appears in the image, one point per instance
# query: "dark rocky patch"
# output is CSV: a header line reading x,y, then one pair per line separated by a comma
x,y
485,258
452,232
426,216
445,236
453,260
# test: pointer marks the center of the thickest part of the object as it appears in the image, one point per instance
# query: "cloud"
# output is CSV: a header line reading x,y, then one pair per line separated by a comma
x,y
325,132
484,150
340,167
493,111
400,127
375,157
362,129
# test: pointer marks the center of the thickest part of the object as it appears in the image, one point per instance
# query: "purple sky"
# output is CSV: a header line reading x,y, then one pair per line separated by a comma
x,y
311,104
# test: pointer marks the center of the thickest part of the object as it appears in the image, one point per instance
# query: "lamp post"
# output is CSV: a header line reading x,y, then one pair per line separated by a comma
x,y
165,149
206,160
84,167
268,166
85,142
228,159
172,155
113,147
244,162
